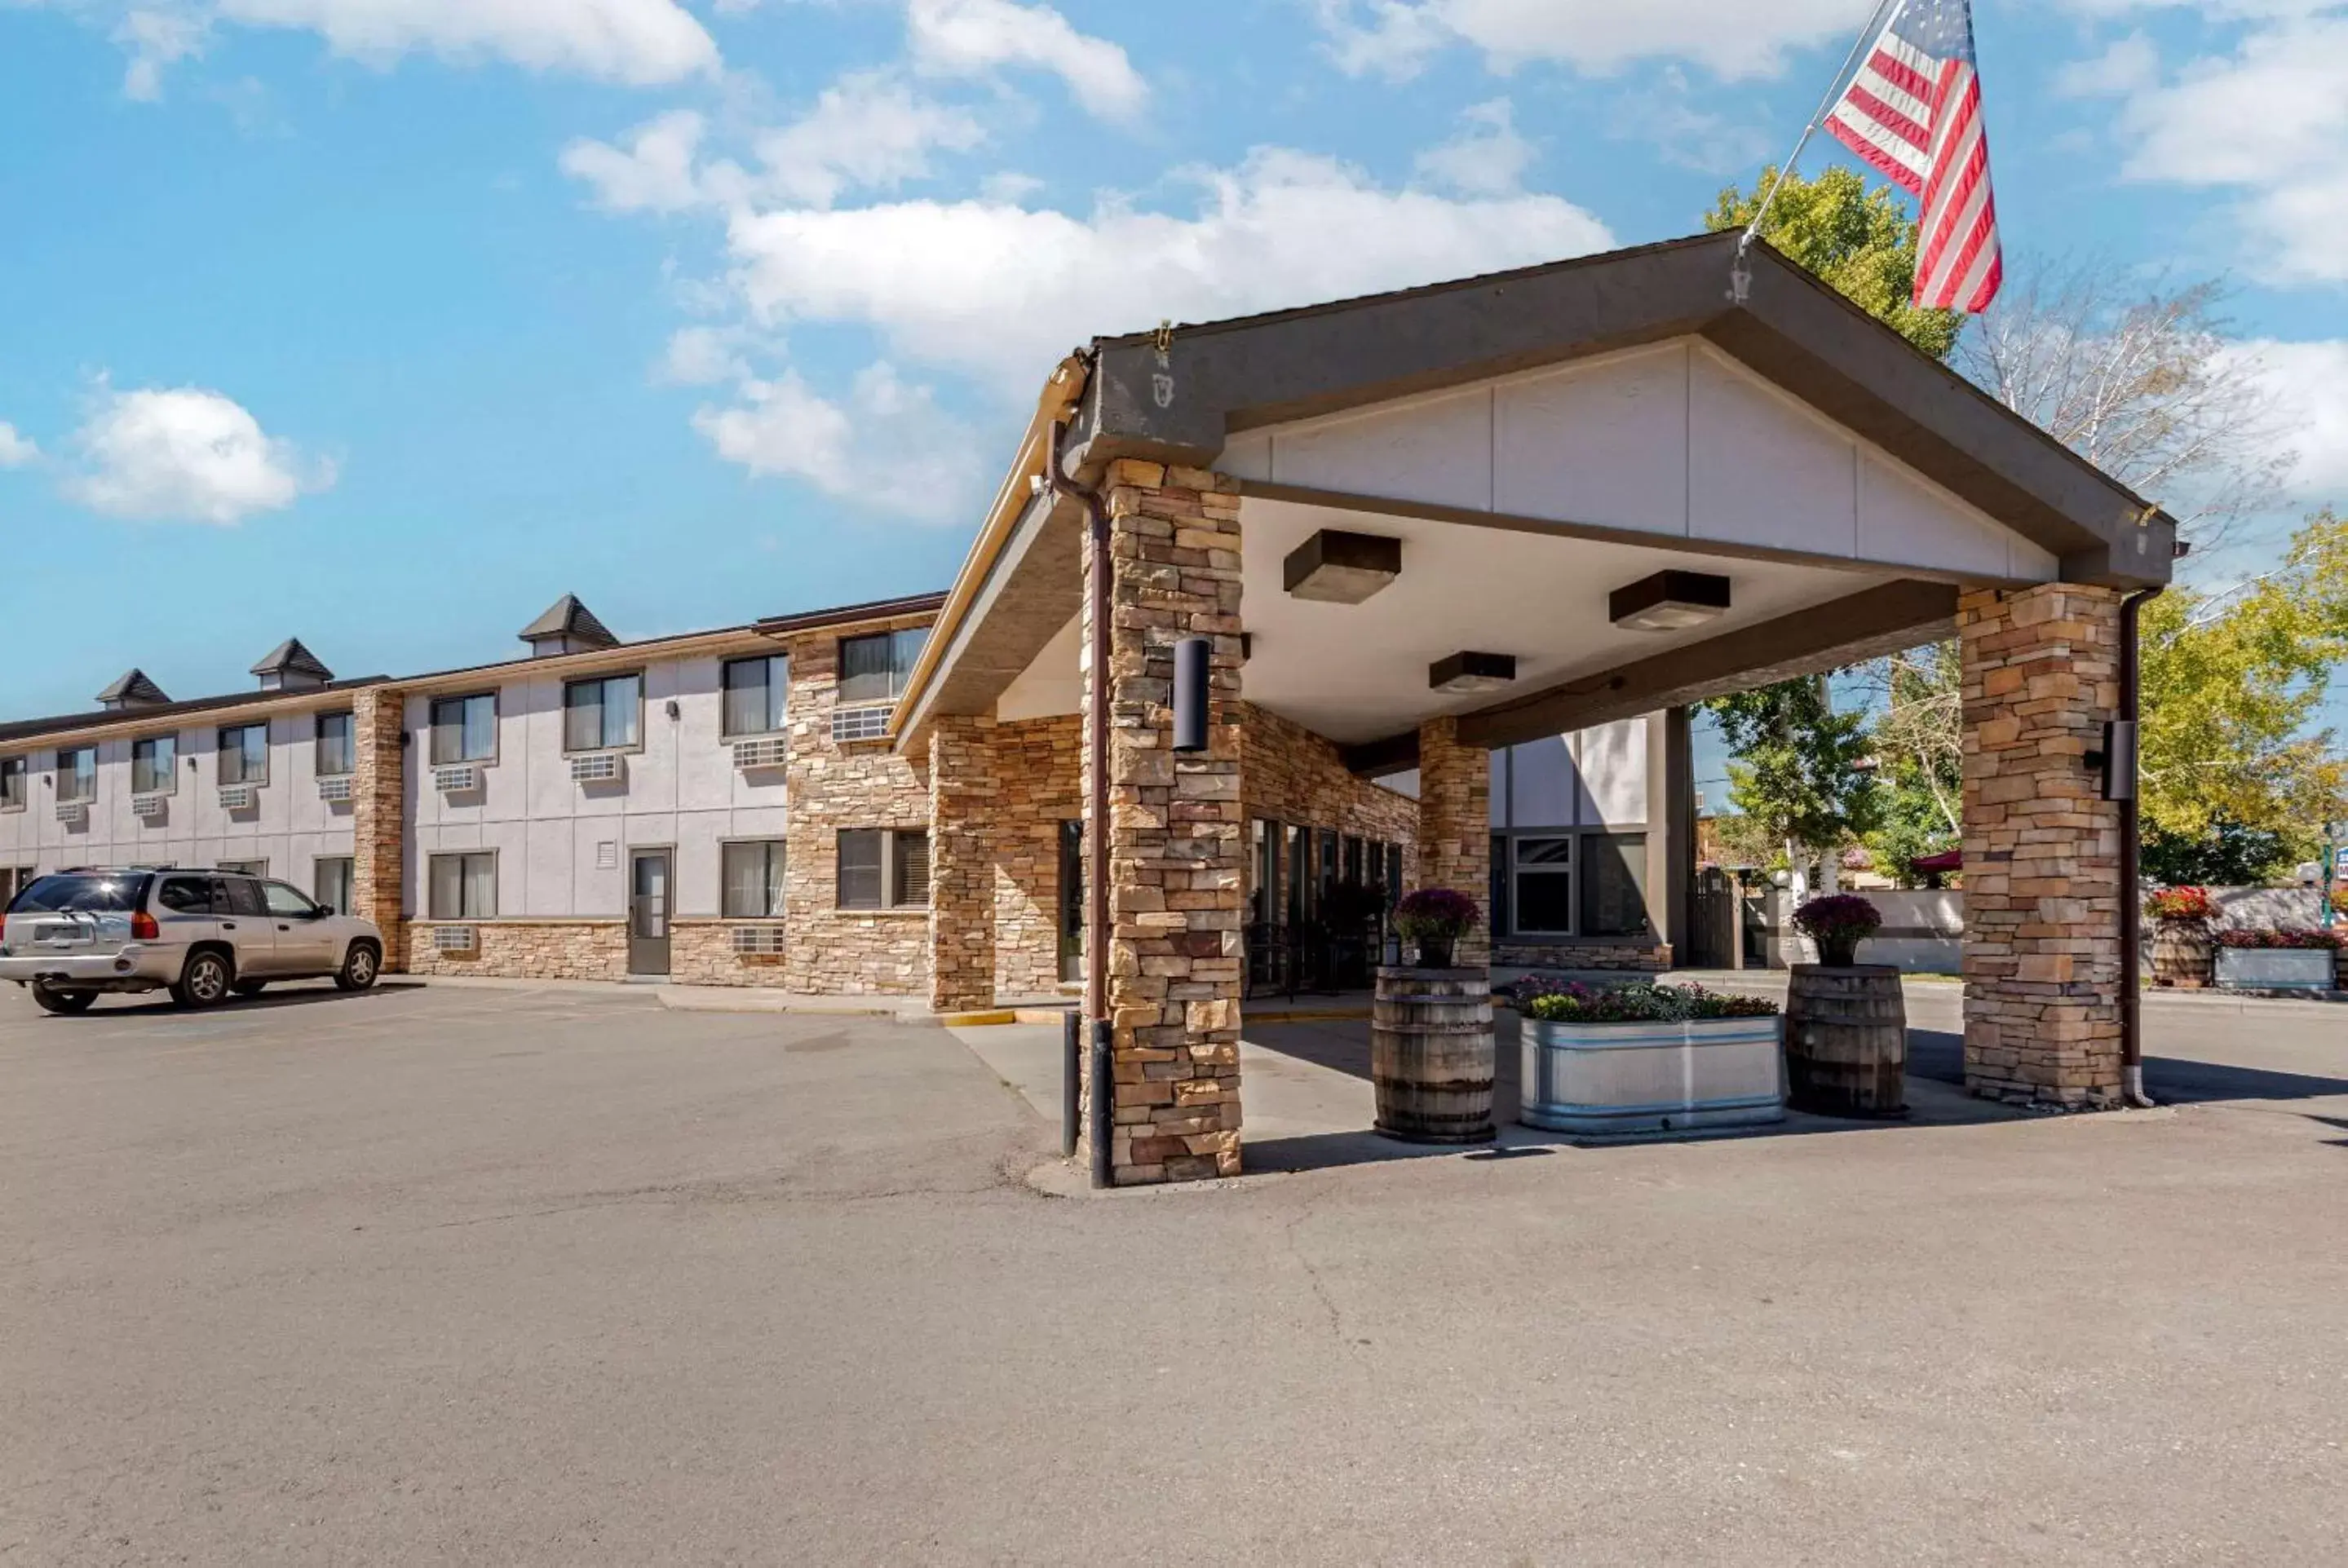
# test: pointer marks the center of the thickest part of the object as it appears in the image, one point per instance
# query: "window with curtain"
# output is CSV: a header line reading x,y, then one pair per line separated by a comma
x,y
154,765
78,775
12,783
1614,885
338,747
758,694
604,714
753,875
1542,887
873,669
243,757
883,868
333,880
464,729
463,888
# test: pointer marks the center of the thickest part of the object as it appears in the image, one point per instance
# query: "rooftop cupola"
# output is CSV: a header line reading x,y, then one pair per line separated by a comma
x,y
290,667
133,691
567,626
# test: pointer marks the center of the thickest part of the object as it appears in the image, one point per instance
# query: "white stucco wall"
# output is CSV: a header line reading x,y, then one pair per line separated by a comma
x,y
562,848
288,827
1597,778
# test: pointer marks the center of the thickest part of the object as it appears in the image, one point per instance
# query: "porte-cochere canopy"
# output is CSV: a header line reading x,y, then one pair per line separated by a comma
x,y
1424,526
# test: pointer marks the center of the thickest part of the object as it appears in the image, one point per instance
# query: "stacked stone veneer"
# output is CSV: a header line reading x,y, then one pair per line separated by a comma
x,y
1293,776
963,795
1643,957
566,949
379,818
1175,846
1039,786
2041,851
701,953
835,951
1455,827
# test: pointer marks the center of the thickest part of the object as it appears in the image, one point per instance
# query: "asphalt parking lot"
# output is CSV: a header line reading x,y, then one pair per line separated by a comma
x,y
557,1277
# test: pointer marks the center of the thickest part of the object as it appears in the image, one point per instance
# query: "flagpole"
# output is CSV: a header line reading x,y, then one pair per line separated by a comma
x,y
1867,34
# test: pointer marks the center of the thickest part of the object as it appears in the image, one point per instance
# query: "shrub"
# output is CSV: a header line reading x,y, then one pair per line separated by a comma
x,y
2181,904
1838,924
1641,1004
2290,941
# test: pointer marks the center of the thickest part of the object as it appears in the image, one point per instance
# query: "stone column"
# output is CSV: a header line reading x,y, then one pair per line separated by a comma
x,y
1671,831
1455,827
1176,849
379,817
964,793
2042,848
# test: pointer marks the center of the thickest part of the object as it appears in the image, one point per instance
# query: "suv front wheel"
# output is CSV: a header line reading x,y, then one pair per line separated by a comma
x,y
204,982
360,967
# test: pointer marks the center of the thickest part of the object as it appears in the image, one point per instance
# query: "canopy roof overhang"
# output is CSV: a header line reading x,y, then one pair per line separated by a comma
x,y
1214,397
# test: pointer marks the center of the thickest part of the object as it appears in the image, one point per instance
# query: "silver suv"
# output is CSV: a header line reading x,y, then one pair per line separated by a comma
x,y
200,935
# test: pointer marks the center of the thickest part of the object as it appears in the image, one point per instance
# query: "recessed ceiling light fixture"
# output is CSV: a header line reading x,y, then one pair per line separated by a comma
x,y
1467,672
1337,568
1671,601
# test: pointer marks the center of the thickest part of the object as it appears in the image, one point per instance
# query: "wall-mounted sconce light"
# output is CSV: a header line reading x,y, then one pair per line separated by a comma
x,y
674,712
2116,763
1192,667
1670,601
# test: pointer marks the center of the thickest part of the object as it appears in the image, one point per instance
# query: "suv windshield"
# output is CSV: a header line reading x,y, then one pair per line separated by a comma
x,y
92,892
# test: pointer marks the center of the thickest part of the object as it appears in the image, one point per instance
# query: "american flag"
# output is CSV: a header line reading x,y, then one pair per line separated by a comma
x,y
1914,111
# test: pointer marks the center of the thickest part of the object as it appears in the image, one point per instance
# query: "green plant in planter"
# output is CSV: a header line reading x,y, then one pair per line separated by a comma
x,y
1575,1003
1434,919
1838,924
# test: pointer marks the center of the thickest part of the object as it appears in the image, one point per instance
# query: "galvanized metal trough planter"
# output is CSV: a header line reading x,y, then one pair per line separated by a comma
x,y
2276,968
1602,1079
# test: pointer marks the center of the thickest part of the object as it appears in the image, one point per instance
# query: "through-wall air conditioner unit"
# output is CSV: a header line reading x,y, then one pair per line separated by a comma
x,y
758,941
73,813
334,789
771,752
458,778
456,940
147,807
862,723
599,768
236,797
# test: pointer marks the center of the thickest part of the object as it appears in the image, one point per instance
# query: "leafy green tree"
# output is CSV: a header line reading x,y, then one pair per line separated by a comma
x,y
2223,855
1919,748
1863,242
2232,682
1802,772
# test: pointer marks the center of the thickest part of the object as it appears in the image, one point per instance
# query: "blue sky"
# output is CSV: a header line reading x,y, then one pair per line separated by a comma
x,y
382,323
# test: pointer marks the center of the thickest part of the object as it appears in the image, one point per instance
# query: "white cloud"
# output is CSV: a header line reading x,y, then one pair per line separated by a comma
x,y
2266,121
999,290
1487,158
2309,383
704,356
155,40
869,130
641,43
1667,116
972,37
15,449
2130,65
1729,37
887,445
655,172
186,455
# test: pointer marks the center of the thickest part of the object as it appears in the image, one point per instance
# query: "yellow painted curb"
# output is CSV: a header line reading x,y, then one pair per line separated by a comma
x,y
978,1020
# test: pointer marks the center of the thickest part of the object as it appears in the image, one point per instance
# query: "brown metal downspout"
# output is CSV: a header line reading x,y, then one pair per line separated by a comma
x,y
2132,864
1096,911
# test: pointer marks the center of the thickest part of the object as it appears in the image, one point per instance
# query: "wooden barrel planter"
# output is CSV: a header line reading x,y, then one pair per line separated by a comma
x,y
1431,1055
1847,1040
2182,955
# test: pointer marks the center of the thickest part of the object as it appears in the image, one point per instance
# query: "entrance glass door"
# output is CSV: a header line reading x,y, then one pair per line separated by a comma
x,y
648,912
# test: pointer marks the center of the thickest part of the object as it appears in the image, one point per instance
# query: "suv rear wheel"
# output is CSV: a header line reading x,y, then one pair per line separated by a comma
x,y
204,983
48,1000
360,967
